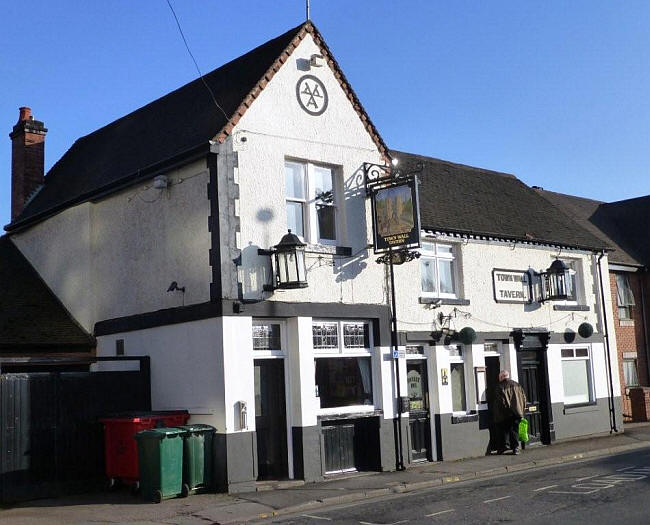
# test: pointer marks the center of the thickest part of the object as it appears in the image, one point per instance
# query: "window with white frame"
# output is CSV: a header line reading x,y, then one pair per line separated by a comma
x,y
267,338
624,297
438,270
630,372
343,364
311,201
576,375
457,379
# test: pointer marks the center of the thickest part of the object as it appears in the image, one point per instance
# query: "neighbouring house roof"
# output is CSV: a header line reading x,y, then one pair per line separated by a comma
x,y
31,317
455,198
632,219
172,126
614,223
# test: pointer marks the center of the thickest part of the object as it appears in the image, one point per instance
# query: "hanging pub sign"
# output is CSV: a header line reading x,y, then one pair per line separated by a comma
x,y
511,286
396,216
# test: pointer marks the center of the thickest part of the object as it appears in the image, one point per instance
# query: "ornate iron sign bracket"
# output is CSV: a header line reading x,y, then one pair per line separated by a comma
x,y
381,175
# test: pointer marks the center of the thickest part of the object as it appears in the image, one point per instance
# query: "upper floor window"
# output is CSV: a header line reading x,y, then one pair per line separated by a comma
x,y
624,296
438,270
311,201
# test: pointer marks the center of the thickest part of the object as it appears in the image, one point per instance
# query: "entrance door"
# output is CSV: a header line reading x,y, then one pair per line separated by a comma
x,y
419,420
492,369
532,377
270,419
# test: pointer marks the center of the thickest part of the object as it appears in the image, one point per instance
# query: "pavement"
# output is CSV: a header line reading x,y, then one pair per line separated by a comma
x,y
291,497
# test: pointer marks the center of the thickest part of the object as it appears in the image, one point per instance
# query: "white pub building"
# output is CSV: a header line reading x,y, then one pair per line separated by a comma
x,y
165,233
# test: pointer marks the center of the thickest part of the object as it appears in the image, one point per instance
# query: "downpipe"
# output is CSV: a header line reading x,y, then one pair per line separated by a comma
x,y
610,398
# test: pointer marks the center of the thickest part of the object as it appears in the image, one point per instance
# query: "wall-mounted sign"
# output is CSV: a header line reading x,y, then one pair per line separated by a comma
x,y
312,95
511,286
396,216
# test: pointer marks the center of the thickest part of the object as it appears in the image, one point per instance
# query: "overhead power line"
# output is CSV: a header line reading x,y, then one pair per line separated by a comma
x,y
180,30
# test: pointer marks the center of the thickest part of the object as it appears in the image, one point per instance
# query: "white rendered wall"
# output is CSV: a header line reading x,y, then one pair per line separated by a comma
x,y
276,128
475,262
117,256
60,250
186,367
237,347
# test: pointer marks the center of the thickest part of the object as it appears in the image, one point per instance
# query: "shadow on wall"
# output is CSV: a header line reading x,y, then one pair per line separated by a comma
x,y
347,268
254,272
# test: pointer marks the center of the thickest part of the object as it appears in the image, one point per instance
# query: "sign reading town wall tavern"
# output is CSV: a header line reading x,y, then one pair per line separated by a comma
x,y
511,286
396,216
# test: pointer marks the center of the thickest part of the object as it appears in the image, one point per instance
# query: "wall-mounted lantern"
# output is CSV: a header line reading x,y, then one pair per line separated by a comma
x,y
289,263
555,282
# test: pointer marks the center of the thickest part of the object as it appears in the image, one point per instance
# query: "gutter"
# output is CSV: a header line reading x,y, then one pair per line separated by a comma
x,y
610,397
515,238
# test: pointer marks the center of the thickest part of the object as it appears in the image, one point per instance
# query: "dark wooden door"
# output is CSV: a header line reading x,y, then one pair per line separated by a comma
x,y
339,441
492,369
270,419
532,378
419,419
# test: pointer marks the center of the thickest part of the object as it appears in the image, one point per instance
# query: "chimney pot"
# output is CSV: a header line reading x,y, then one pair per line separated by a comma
x,y
25,114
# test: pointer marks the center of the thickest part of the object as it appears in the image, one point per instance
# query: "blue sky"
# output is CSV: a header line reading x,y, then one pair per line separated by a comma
x,y
555,92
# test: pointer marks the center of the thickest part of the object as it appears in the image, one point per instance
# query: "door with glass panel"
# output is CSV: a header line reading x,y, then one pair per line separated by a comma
x,y
419,419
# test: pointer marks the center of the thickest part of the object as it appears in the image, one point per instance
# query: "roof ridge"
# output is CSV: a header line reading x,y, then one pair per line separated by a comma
x,y
456,164
576,197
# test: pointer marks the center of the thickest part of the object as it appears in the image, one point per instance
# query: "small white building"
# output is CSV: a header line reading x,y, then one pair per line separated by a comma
x,y
155,232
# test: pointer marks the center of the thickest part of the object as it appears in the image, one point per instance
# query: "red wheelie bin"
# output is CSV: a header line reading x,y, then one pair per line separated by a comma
x,y
120,446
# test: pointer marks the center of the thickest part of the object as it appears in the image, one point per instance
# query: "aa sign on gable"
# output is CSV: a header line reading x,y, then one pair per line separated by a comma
x,y
312,95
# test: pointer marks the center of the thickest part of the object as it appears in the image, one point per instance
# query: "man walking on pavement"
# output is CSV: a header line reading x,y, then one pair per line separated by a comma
x,y
509,406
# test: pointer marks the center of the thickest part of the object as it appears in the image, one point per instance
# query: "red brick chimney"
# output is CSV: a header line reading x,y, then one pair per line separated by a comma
x,y
27,159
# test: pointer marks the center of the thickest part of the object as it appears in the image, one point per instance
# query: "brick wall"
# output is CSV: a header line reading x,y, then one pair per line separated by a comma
x,y
630,336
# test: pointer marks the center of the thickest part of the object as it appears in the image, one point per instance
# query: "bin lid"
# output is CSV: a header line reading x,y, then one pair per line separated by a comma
x,y
198,428
160,433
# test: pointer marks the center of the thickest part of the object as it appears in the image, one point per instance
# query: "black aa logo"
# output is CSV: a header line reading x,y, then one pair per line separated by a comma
x,y
312,95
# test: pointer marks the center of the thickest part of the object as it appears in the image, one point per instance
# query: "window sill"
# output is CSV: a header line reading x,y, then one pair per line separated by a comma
x,y
626,322
583,407
443,300
356,412
328,249
571,307
463,418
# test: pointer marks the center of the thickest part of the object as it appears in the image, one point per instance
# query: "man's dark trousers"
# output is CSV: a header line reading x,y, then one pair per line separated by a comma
x,y
509,434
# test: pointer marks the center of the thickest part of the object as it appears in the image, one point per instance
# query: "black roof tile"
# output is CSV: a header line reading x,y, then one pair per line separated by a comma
x,y
462,199
602,220
167,127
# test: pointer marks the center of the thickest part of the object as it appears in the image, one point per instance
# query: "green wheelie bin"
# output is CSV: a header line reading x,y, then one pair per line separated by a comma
x,y
198,470
160,455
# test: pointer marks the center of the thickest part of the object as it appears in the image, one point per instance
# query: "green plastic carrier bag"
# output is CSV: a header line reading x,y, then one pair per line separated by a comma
x,y
523,430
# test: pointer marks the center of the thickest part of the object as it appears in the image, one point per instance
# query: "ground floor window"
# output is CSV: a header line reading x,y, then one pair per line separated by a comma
x,y
459,403
344,381
576,375
630,373
457,379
